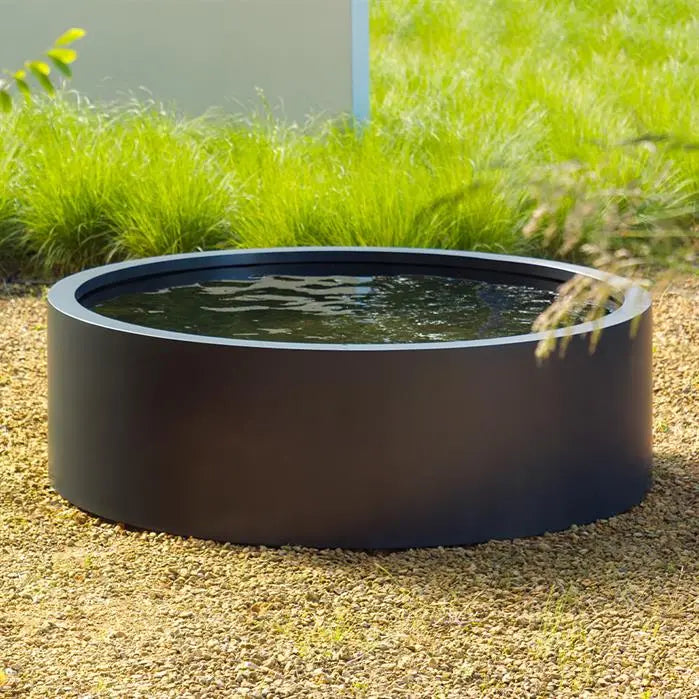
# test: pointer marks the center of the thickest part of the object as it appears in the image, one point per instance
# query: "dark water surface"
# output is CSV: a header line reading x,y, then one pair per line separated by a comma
x,y
337,309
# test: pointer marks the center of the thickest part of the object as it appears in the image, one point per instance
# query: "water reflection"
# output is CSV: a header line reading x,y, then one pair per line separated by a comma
x,y
337,309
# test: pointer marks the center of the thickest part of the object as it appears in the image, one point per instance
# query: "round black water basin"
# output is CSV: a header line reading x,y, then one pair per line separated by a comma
x,y
343,397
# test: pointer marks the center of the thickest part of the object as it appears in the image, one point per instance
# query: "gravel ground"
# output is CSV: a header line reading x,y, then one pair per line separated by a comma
x,y
91,609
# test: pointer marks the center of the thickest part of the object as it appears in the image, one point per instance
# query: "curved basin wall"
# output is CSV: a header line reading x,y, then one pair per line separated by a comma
x,y
355,446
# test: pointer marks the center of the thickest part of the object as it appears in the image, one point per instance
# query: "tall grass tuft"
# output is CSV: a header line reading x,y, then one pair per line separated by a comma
x,y
106,185
10,230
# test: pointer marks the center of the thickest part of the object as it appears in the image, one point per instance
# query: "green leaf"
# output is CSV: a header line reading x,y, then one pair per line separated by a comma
x,y
65,56
47,85
70,36
65,69
5,101
23,87
39,68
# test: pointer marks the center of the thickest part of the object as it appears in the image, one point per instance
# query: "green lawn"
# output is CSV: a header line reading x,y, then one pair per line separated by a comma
x,y
482,113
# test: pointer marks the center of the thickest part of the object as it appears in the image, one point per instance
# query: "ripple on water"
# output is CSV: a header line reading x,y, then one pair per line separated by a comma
x,y
337,309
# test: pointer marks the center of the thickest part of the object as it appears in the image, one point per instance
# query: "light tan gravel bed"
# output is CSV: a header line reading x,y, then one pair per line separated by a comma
x,y
90,609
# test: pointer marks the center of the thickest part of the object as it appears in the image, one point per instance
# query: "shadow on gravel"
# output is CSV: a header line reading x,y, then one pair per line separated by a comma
x,y
13,289
651,544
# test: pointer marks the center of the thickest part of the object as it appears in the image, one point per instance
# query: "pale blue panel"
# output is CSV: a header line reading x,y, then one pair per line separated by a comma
x,y
360,59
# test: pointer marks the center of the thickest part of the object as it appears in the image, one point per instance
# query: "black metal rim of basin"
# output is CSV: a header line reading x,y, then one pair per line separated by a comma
x,y
68,294
378,446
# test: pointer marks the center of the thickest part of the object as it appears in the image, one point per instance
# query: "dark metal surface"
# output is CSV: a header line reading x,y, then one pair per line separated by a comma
x,y
361,446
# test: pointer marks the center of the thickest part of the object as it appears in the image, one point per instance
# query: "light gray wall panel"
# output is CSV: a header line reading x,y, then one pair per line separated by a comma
x,y
200,53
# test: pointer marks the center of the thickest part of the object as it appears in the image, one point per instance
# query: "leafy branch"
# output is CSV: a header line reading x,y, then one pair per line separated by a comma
x,y
60,55
624,232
